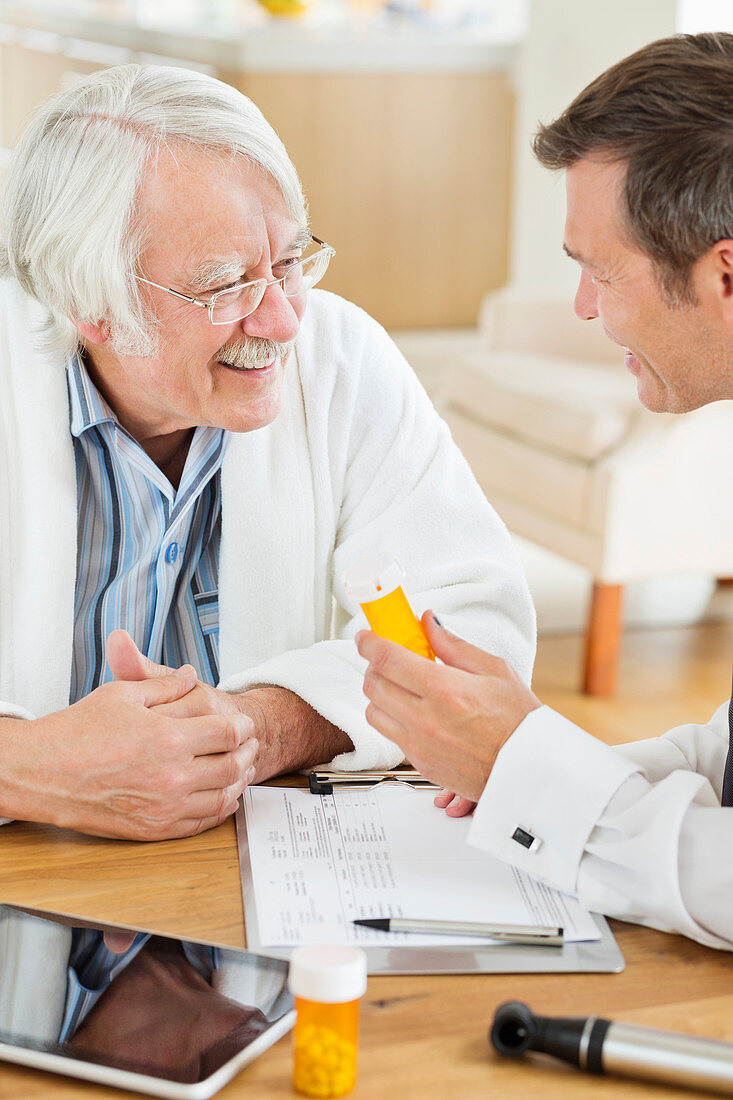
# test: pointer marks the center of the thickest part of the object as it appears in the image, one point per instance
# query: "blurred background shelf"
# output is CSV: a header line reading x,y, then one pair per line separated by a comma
x,y
392,125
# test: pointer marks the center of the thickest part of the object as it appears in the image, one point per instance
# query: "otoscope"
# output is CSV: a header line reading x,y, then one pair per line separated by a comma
x,y
601,1046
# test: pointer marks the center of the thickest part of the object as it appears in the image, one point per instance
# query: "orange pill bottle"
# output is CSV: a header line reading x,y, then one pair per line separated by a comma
x,y
376,583
327,982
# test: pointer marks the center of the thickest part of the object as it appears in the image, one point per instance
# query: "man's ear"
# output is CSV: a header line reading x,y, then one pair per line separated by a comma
x,y
720,259
93,333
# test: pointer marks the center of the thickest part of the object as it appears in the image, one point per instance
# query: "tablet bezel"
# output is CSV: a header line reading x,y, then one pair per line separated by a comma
x,y
129,1079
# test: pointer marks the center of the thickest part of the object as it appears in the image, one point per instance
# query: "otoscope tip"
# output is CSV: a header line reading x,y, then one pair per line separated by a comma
x,y
513,1029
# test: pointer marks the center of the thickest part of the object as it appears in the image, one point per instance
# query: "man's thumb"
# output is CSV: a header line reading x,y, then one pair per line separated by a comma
x,y
127,662
453,650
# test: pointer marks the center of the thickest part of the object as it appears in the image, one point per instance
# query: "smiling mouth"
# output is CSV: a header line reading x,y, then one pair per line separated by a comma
x,y
242,369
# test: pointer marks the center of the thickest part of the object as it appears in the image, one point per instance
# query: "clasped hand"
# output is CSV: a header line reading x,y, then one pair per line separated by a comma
x,y
153,756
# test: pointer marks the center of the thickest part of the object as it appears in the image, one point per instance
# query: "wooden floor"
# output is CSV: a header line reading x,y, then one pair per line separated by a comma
x,y
666,677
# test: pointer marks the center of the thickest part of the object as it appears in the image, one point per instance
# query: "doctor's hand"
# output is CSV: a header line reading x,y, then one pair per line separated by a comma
x,y
454,804
450,720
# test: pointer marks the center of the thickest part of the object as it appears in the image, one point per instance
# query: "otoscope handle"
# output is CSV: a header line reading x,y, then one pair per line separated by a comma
x,y
599,1046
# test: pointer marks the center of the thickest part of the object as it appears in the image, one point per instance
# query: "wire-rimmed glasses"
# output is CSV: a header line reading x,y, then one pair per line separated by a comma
x,y
234,303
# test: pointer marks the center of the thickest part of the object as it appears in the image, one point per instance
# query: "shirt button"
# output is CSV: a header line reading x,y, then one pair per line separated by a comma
x,y
171,553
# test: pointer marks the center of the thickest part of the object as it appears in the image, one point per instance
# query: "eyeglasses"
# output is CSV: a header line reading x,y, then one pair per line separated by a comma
x,y
234,303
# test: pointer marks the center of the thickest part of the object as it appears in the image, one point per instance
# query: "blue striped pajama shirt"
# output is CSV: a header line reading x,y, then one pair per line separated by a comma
x,y
147,555
92,967
147,561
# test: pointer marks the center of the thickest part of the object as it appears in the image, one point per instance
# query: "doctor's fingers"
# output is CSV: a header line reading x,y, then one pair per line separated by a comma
x,y
460,806
447,696
386,724
453,804
458,653
395,663
402,705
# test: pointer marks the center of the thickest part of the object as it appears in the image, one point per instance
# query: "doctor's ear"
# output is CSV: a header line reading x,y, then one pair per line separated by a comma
x,y
94,333
719,262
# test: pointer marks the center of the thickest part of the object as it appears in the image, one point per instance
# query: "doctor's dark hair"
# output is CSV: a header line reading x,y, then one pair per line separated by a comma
x,y
72,234
665,111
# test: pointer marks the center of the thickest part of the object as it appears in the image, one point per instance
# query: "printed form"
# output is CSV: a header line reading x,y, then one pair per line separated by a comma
x,y
321,861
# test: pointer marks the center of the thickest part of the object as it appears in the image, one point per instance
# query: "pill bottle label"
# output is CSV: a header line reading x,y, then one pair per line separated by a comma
x,y
392,617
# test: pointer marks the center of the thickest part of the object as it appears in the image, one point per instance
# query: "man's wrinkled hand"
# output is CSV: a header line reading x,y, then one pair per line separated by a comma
x,y
127,663
450,720
113,765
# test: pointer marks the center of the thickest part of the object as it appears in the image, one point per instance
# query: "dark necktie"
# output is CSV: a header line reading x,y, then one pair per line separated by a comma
x,y
726,798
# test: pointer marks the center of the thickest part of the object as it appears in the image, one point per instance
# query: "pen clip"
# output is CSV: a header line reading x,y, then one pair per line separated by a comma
x,y
555,938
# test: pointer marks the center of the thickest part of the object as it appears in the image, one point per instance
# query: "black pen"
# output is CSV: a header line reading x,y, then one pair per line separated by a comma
x,y
540,935
601,1046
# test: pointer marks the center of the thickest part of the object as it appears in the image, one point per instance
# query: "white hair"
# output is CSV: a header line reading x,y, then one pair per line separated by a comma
x,y
70,235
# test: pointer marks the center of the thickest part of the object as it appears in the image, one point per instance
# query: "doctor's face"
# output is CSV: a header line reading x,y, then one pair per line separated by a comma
x,y
681,355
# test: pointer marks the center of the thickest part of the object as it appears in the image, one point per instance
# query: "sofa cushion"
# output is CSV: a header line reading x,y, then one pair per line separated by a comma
x,y
577,409
536,477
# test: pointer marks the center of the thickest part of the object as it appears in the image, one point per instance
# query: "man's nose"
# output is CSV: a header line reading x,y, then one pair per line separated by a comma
x,y
275,317
586,298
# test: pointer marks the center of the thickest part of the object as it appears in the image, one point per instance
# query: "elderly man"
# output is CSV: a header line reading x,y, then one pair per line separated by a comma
x,y
643,831
193,444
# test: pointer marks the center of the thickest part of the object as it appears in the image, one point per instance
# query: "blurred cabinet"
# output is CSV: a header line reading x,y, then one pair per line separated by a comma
x,y
36,64
407,174
408,178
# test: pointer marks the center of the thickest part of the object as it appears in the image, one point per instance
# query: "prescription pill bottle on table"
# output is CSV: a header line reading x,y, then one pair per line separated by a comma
x,y
327,982
376,583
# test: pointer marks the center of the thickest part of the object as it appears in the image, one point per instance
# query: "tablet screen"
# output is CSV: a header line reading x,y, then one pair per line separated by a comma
x,y
134,1008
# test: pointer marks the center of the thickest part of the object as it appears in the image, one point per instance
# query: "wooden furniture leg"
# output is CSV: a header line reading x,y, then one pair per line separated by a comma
x,y
602,639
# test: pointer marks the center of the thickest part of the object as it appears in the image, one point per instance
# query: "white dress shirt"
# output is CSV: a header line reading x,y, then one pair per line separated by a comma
x,y
635,832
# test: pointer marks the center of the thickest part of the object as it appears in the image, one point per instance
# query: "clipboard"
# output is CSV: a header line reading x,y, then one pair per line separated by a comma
x,y
320,782
598,956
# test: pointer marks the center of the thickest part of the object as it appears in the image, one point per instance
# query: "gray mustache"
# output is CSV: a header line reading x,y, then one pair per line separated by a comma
x,y
253,351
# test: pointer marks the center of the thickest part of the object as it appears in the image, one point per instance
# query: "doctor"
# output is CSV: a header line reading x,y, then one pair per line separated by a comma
x,y
643,831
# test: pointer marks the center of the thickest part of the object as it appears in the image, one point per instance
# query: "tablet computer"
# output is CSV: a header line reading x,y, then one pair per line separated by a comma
x,y
134,1009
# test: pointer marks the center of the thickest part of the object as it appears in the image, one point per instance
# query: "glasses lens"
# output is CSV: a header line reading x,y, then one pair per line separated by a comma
x,y
240,301
307,273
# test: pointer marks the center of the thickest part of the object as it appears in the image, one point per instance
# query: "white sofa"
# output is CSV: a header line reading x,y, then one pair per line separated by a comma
x,y
542,407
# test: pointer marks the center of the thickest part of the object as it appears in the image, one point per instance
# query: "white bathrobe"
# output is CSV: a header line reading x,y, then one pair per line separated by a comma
x,y
357,461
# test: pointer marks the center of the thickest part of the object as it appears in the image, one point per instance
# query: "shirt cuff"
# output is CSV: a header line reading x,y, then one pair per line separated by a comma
x,y
550,784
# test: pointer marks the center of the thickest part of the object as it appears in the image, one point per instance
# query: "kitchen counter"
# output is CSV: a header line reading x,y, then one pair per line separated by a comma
x,y
237,34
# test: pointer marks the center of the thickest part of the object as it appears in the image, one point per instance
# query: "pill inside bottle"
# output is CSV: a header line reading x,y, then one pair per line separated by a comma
x,y
328,982
376,583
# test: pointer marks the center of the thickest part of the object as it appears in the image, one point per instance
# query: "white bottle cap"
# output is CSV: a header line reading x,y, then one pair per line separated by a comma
x,y
328,973
373,577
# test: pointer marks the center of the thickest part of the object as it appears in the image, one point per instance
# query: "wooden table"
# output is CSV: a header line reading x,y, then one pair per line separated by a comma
x,y
421,1036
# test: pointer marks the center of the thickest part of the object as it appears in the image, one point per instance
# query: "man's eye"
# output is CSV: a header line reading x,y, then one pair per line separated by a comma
x,y
225,286
282,266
